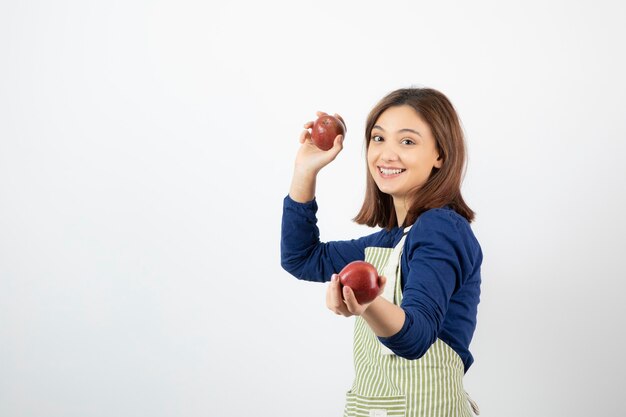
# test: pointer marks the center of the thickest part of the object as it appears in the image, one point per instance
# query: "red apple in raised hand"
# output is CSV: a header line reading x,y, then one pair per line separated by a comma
x,y
363,278
325,130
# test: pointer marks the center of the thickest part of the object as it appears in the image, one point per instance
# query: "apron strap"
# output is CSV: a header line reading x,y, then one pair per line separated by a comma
x,y
392,269
393,274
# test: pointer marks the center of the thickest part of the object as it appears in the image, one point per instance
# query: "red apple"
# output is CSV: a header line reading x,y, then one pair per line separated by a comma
x,y
325,130
363,278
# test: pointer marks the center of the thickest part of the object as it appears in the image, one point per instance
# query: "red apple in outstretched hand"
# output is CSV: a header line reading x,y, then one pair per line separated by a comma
x,y
363,278
325,130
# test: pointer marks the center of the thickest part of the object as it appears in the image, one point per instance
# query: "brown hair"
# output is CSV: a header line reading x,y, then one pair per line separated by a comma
x,y
443,186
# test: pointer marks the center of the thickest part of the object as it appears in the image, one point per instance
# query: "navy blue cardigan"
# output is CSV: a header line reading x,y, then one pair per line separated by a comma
x,y
440,273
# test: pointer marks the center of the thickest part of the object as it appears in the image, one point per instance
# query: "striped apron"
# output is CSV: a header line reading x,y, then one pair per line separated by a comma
x,y
389,385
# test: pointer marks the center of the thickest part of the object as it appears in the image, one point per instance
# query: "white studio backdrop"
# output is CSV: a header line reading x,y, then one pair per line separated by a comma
x,y
146,147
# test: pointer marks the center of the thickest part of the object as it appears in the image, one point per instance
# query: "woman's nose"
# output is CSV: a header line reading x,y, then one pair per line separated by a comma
x,y
389,156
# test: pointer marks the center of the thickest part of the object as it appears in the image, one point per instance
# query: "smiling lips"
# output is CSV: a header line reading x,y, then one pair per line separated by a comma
x,y
390,172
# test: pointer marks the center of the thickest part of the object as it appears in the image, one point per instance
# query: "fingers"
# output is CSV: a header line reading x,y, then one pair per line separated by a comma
x,y
305,136
310,123
329,299
382,281
334,299
350,301
337,147
341,299
338,143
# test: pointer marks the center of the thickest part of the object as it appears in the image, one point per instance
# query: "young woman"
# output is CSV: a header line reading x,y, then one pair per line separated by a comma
x,y
411,344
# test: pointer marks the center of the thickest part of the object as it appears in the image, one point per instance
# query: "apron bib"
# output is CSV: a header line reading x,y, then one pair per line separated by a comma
x,y
388,385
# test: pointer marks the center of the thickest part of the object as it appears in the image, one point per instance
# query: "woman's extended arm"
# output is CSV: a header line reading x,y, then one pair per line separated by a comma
x,y
302,253
439,260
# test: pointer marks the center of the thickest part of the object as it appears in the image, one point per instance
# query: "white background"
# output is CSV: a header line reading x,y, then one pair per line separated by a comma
x,y
146,147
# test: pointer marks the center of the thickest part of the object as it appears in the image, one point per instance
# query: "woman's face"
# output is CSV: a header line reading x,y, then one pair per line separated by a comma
x,y
402,152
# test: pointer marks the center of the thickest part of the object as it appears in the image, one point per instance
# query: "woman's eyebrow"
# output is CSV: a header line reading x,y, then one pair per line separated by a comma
x,y
399,131
410,130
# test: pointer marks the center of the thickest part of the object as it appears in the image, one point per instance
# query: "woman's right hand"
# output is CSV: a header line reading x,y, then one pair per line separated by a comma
x,y
311,159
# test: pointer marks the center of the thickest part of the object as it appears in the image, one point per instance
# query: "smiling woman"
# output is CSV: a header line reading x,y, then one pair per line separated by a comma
x,y
427,125
428,260
400,158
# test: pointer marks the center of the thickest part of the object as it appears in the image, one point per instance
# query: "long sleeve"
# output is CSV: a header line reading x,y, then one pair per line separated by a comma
x,y
441,286
303,254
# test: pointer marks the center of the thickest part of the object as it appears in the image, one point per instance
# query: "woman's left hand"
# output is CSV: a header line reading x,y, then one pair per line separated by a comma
x,y
341,300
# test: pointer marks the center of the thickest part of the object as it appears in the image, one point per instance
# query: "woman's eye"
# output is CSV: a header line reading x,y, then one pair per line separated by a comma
x,y
407,141
377,138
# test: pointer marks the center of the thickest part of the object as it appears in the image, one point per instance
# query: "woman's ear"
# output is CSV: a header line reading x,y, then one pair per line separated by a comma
x,y
438,162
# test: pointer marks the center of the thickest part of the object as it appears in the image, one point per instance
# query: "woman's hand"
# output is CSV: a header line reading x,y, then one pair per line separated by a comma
x,y
310,159
342,300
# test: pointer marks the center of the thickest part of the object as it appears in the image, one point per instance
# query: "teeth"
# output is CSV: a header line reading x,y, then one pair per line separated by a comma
x,y
386,171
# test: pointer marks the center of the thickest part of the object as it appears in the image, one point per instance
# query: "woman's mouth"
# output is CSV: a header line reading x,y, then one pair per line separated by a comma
x,y
389,172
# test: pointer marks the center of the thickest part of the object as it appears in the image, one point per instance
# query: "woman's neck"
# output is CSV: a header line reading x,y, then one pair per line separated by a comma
x,y
399,206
